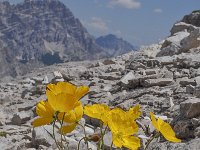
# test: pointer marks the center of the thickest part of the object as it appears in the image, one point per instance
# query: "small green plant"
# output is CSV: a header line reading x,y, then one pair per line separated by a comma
x,y
195,11
3,134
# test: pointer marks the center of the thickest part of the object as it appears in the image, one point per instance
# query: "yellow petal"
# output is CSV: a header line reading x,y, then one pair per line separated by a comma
x,y
61,102
134,112
167,131
43,109
98,111
69,117
117,140
41,121
154,122
119,122
67,129
74,115
52,88
81,91
78,110
66,87
62,87
131,142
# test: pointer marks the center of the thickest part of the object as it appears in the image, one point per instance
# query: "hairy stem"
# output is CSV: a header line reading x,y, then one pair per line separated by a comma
x,y
54,137
111,146
80,142
151,140
85,138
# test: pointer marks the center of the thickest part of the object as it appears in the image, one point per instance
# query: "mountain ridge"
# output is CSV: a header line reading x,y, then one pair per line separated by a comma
x,y
115,45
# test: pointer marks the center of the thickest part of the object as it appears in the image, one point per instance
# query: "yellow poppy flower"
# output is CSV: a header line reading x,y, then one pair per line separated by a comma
x,y
98,111
71,118
164,128
123,127
63,96
46,113
119,121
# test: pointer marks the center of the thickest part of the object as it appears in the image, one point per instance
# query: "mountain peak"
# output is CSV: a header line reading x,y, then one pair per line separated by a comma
x,y
114,45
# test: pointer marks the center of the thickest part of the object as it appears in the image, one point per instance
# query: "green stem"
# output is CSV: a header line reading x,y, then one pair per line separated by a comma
x,y
151,140
86,141
99,145
101,130
55,136
102,136
111,146
61,134
105,130
80,142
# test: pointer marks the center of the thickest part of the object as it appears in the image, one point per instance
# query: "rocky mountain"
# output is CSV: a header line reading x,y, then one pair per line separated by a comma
x,y
184,36
114,45
42,32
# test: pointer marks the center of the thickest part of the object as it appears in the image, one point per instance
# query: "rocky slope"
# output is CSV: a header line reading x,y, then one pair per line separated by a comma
x,y
114,45
167,85
42,32
184,36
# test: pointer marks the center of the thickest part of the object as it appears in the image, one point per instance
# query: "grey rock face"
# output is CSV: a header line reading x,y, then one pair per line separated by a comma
x,y
42,32
192,18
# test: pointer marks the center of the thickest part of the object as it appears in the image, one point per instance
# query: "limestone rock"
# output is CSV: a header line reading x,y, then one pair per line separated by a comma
x,y
185,81
190,89
197,91
190,108
158,82
181,26
20,118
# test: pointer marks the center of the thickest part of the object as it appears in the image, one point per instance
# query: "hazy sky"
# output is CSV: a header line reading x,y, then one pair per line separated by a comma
x,y
141,22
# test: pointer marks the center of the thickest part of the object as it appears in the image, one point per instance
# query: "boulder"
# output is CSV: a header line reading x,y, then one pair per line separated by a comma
x,y
20,118
108,62
58,76
185,81
129,81
172,45
134,65
190,108
157,82
125,79
192,41
181,26
197,132
193,18
184,129
150,71
109,76
197,91
190,89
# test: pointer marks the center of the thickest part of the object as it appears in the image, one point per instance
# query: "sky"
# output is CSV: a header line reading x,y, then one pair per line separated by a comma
x,y
140,22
